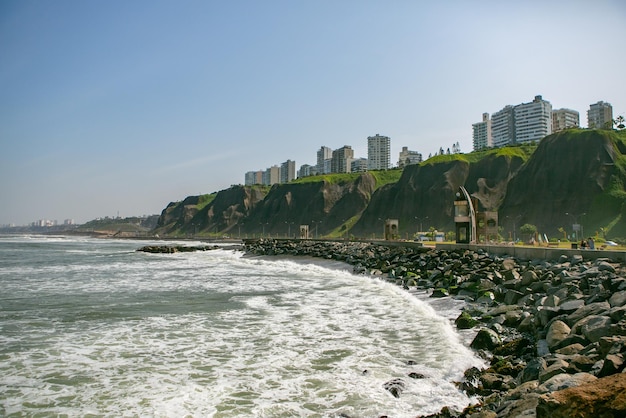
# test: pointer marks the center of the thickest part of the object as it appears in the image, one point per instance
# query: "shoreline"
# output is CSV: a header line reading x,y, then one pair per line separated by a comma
x,y
552,331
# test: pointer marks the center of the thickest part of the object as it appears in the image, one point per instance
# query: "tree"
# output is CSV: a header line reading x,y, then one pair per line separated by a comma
x,y
619,122
528,229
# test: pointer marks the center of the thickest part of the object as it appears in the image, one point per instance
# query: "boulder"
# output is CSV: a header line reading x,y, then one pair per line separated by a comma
x,y
558,367
557,332
597,308
465,321
486,339
564,381
532,370
571,306
395,387
613,363
597,327
605,397
618,299
528,277
570,349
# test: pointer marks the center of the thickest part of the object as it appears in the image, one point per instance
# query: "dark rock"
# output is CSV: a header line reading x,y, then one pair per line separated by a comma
x,y
395,387
596,327
439,293
592,309
532,369
465,321
486,339
618,299
613,363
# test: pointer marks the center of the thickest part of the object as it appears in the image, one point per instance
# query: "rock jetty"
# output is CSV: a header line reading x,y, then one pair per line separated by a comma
x,y
552,331
171,249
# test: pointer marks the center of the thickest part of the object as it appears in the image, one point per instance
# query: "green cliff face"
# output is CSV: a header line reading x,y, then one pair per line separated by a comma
x,y
574,172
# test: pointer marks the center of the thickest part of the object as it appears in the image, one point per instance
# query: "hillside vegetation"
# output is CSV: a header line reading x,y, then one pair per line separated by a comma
x,y
573,176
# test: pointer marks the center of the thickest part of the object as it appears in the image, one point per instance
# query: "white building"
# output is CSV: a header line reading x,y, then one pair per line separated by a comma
x,y
503,127
481,133
408,157
358,165
324,154
378,152
600,116
564,118
533,121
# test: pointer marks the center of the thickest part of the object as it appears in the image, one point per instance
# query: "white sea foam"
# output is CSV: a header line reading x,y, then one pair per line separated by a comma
x,y
217,334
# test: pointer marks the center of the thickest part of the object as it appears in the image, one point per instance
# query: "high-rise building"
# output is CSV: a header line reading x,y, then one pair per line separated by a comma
x,y
600,116
533,121
287,171
250,177
324,154
481,133
503,127
306,170
521,123
254,177
271,175
342,159
378,152
408,157
358,165
564,118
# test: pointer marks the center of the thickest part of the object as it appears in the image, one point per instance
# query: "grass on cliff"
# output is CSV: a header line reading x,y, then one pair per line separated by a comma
x,y
382,177
205,199
523,151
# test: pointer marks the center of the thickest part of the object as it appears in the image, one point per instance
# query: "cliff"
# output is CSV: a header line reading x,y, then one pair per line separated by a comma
x,y
575,176
424,194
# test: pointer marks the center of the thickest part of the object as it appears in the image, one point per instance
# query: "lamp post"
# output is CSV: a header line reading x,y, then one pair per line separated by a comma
x,y
577,225
289,228
515,220
316,223
420,219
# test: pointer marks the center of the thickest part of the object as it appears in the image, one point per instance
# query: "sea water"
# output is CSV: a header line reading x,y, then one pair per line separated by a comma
x,y
91,327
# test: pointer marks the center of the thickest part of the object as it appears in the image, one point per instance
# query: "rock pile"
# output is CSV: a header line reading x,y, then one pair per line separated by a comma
x,y
544,326
171,249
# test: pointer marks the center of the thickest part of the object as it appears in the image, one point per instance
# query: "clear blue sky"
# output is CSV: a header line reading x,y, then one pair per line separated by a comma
x,y
110,106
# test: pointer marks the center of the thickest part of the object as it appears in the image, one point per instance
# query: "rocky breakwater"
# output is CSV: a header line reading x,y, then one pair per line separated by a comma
x,y
553,331
171,249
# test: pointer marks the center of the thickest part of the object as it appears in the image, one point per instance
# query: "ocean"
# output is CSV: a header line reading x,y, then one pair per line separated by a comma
x,y
91,327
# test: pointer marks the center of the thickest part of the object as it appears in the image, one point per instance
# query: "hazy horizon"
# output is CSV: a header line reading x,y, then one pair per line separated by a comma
x,y
122,107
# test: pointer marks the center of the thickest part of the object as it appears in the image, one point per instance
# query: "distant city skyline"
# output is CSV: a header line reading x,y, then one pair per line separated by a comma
x,y
127,106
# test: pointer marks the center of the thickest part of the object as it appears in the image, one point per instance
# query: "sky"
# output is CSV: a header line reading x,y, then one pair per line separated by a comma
x,y
121,107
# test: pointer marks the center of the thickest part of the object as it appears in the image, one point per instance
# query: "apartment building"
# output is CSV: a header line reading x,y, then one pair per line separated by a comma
x,y
600,116
408,157
521,123
503,127
324,155
481,133
359,165
378,152
287,171
533,120
253,177
341,160
564,118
